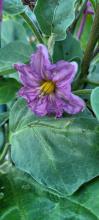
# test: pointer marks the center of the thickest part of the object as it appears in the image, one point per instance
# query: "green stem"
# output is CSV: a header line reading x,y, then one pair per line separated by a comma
x,y
5,148
94,37
83,92
4,153
28,17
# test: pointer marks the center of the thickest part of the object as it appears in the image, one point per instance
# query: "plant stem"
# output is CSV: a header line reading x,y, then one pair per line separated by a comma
x,y
28,17
4,152
5,149
94,37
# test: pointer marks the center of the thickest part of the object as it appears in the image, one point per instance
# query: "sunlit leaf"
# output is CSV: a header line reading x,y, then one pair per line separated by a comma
x,y
62,154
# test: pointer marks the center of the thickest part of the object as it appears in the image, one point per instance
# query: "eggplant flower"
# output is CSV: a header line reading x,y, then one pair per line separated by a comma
x,y
47,87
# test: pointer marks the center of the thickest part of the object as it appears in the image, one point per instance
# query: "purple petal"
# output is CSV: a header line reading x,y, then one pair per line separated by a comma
x,y
40,60
28,93
64,72
63,92
39,106
54,106
74,105
27,76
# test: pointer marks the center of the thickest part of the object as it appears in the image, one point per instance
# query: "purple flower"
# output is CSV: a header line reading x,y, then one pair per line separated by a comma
x,y
47,87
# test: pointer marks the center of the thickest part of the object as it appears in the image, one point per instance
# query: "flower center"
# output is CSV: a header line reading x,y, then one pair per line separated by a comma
x,y
47,87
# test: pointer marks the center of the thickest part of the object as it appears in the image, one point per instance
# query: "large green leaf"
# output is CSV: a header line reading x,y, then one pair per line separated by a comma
x,y
12,30
13,53
19,198
23,199
67,49
95,101
13,7
55,16
62,154
8,89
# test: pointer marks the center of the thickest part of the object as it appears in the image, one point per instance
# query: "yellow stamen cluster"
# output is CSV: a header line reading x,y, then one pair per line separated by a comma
x,y
47,87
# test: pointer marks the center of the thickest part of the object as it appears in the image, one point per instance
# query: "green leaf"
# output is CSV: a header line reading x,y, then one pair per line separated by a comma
x,y
19,198
93,76
22,198
12,30
13,53
67,49
55,16
61,154
8,89
14,7
88,197
95,101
